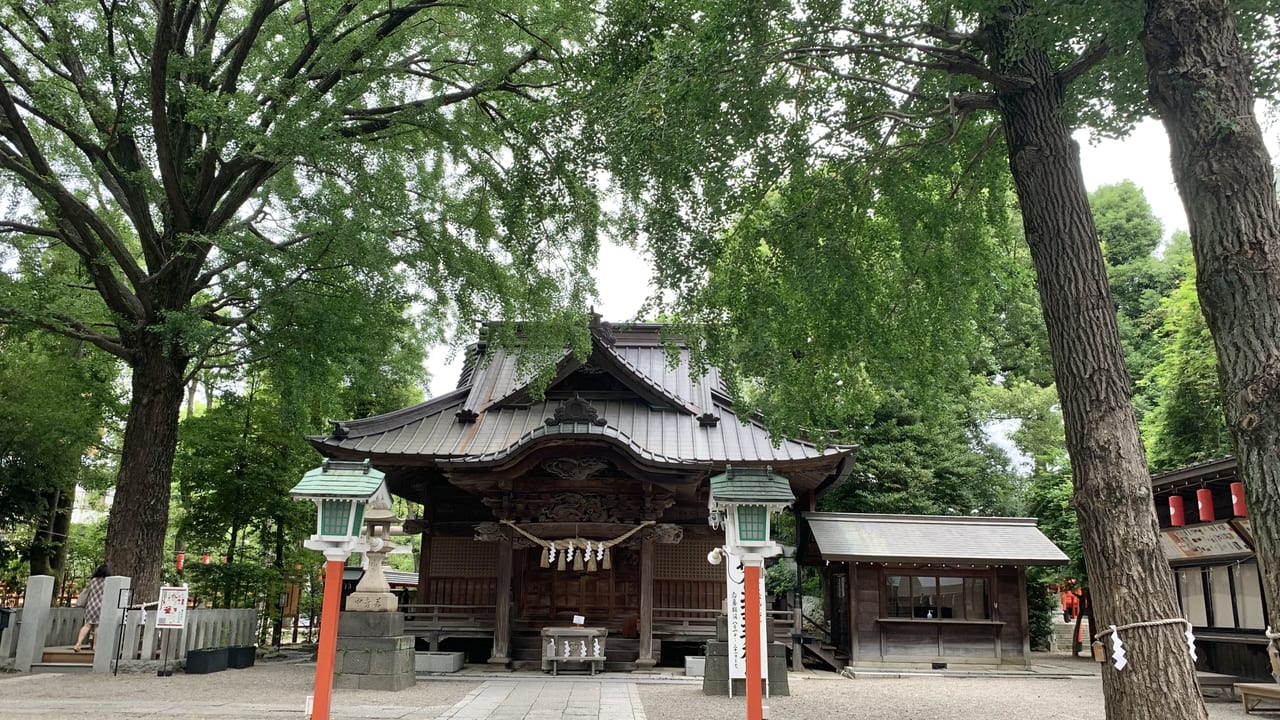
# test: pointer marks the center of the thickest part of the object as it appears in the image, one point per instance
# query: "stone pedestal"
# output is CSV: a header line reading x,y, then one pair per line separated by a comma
x,y
715,679
373,652
438,662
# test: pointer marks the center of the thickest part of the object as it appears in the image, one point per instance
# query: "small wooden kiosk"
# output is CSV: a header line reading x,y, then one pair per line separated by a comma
x,y
926,590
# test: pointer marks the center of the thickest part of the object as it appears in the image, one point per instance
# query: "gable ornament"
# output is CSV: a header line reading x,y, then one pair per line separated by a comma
x,y
576,410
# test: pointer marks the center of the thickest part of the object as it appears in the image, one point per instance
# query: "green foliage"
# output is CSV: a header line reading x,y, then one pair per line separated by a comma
x,y
1140,281
1127,228
1050,500
234,467
285,185
233,585
55,398
935,464
1187,424
1040,603
780,578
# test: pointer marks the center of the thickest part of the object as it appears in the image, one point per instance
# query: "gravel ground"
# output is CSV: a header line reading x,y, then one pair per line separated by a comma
x,y
277,690
921,698
265,690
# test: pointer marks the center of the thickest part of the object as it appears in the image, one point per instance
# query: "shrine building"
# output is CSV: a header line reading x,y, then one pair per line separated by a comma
x,y
592,501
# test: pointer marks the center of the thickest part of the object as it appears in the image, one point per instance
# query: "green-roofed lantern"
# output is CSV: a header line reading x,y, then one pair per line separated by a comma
x,y
744,500
341,491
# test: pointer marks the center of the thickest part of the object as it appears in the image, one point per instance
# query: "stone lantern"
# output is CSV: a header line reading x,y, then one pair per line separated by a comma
x,y
373,594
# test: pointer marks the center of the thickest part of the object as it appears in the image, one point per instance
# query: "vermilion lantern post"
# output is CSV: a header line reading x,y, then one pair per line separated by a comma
x,y
743,500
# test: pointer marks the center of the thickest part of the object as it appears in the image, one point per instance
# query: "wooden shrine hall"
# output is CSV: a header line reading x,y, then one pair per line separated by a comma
x,y
590,501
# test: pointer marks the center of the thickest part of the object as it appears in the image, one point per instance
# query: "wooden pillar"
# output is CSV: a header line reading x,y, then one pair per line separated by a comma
x,y
852,632
502,605
424,569
646,658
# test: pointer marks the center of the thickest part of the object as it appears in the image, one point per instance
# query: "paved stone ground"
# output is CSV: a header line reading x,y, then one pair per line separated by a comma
x,y
278,691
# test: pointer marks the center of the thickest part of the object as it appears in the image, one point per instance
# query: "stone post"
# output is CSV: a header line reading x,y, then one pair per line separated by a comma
x,y
109,621
35,622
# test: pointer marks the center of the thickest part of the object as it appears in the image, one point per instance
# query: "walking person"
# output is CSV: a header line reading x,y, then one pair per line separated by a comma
x,y
91,601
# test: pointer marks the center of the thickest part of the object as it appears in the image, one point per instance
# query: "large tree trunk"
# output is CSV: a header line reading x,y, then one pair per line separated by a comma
x,y
1128,574
49,542
1198,77
140,510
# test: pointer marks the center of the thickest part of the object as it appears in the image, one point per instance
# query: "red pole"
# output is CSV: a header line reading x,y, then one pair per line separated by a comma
x,y
751,583
328,639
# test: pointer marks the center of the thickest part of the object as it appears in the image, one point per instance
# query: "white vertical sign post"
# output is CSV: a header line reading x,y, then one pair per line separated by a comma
x,y
735,573
171,613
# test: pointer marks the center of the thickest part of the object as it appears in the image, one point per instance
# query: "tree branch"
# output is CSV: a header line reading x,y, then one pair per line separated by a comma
x,y
69,327
1083,63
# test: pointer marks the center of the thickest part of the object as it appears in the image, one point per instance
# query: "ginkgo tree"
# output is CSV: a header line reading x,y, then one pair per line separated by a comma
x,y
226,169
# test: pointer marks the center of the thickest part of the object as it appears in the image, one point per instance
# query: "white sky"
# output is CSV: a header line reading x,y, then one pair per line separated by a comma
x,y
622,275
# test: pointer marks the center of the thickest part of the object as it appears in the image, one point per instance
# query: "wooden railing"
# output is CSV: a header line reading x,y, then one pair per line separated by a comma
x,y
702,622
452,616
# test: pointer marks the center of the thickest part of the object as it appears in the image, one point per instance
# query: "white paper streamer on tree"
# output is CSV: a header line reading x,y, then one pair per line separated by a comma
x,y
1117,646
1117,649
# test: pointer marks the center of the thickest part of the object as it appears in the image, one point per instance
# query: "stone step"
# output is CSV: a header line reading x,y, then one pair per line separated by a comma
x,y
60,667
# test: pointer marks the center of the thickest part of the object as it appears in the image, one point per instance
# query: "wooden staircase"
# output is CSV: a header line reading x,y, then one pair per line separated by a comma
x,y
824,651
64,660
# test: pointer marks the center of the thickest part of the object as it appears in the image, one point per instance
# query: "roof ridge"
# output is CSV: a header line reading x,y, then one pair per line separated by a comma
x,y
685,404
375,423
933,519
592,430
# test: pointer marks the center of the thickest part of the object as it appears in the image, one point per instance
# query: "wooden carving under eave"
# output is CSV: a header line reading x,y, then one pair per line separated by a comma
x,y
664,534
575,409
574,469
489,532
578,507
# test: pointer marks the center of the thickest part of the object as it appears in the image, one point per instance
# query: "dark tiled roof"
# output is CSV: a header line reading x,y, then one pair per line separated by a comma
x,y
673,418
932,539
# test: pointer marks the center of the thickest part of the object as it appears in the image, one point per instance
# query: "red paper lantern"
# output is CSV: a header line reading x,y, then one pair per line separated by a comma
x,y
1177,515
1204,504
204,559
1237,499
179,560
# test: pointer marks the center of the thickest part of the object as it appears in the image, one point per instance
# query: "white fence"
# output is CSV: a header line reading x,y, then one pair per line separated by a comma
x,y
140,640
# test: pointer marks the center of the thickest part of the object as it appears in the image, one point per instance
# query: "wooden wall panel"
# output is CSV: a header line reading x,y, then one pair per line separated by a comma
x,y
968,641
692,594
1009,594
463,557
910,641
687,560
462,591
